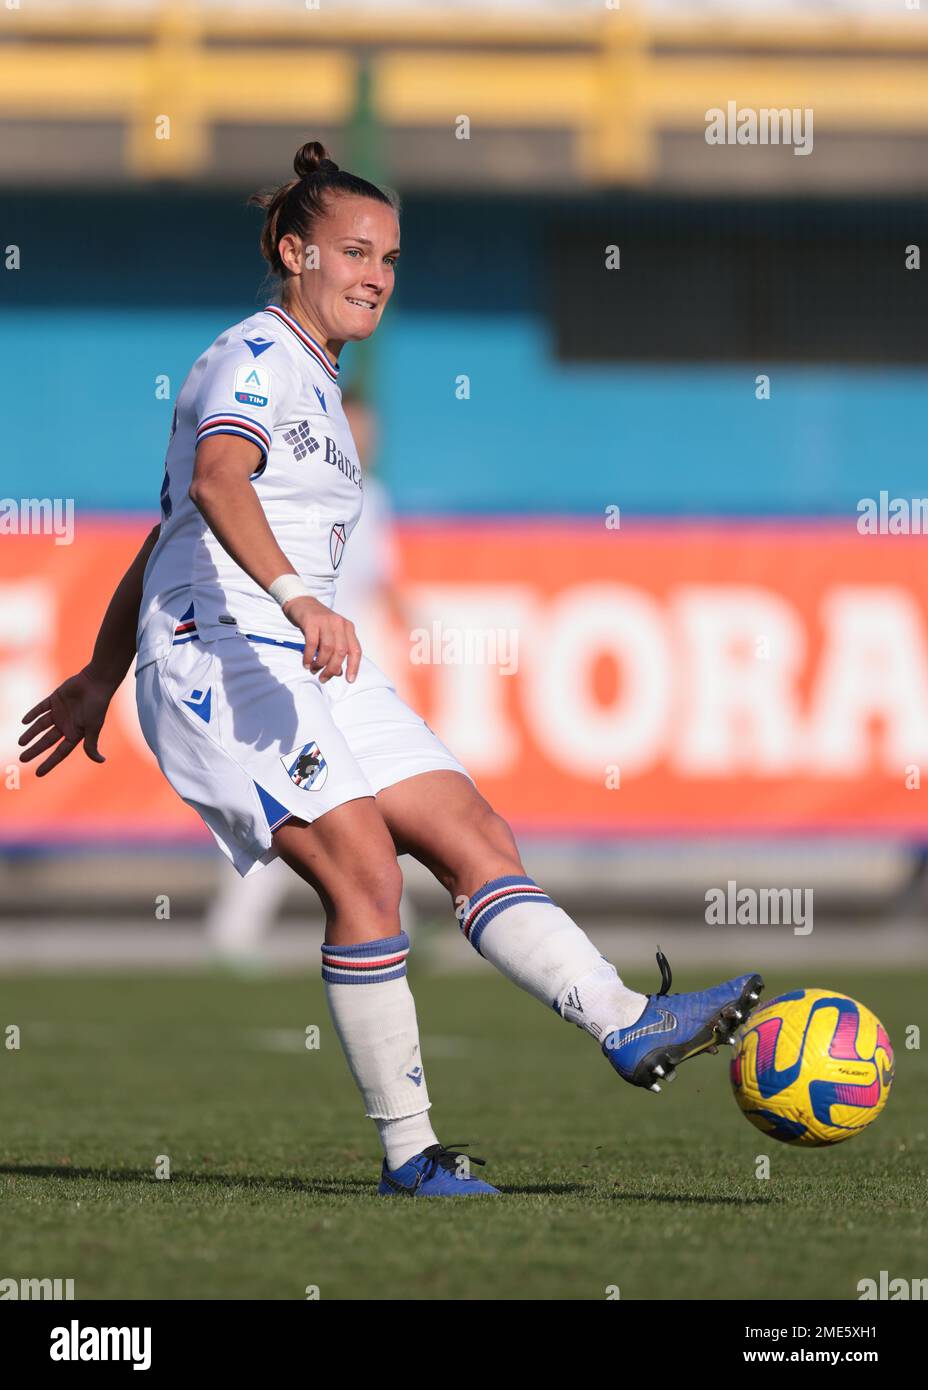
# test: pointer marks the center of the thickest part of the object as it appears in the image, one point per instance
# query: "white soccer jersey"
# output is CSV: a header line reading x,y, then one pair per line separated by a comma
x,y
266,380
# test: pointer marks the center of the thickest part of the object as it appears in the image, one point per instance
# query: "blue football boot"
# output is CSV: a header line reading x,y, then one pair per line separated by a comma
x,y
434,1173
675,1027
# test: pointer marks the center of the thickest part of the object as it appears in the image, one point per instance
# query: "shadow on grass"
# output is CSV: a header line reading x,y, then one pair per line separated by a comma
x,y
545,1189
321,1186
694,1199
327,1186
183,1177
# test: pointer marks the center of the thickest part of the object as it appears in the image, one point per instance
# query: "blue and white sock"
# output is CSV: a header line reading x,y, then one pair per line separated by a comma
x,y
375,1018
515,925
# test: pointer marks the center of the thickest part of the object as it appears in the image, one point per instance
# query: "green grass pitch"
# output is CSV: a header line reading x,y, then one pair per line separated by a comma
x,y
274,1167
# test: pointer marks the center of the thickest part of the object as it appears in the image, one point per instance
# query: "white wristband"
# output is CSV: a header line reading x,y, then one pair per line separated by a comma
x,y
288,586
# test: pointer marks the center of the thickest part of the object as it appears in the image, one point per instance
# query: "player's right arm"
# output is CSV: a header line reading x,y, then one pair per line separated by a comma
x,y
77,709
222,492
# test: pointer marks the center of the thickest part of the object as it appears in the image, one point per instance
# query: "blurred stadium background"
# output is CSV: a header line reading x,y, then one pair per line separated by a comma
x,y
718,677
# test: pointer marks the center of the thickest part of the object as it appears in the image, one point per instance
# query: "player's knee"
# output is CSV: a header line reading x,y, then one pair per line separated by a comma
x,y
374,887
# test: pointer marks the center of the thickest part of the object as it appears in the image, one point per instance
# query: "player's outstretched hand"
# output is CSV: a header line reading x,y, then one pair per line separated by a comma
x,y
329,638
75,711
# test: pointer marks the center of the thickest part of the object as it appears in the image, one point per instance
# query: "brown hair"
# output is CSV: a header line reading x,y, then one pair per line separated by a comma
x,y
297,205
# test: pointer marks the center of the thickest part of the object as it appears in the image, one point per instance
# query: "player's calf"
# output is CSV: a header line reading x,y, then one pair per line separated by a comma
x,y
515,925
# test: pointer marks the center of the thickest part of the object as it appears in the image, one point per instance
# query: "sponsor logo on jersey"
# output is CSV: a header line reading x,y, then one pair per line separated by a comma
x,y
337,540
342,462
252,385
321,395
258,345
306,767
301,440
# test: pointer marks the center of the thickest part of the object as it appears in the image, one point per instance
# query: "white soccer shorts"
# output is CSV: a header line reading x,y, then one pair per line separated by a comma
x,y
247,736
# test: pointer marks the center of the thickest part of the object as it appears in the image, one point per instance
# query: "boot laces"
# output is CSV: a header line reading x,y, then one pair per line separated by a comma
x,y
446,1156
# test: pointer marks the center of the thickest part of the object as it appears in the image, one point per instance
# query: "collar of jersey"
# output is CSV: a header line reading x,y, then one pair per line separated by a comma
x,y
306,340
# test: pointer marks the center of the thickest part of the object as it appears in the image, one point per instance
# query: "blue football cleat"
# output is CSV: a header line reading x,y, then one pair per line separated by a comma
x,y
436,1172
675,1027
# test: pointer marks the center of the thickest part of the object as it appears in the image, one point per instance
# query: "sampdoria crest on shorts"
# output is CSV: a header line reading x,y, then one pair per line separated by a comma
x,y
337,543
306,766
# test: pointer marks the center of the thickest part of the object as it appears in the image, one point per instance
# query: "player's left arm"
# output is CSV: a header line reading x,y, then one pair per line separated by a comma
x,y
75,711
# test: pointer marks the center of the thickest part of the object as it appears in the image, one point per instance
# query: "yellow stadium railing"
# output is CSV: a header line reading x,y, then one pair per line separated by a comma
x,y
615,79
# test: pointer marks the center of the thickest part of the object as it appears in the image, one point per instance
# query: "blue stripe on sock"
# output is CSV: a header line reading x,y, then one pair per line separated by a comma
x,y
334,976
476,919
345,965
383,947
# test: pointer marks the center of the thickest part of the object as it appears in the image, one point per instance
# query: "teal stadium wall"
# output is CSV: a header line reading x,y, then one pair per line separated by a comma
x,y
116,291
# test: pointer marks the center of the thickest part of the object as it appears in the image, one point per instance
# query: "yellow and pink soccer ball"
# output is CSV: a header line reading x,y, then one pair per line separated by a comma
x,y
812,1067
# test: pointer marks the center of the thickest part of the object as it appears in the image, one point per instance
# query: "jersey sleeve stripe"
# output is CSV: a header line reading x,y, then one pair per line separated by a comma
x,y
235,424
238,418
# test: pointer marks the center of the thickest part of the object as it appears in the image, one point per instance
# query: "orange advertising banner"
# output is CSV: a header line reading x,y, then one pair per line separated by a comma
x,y
656,678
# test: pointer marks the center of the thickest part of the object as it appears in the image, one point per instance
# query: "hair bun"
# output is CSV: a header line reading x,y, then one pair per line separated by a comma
x,y
313,159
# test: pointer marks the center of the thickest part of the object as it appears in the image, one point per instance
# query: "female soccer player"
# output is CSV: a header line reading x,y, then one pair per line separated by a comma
x,y
255,698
